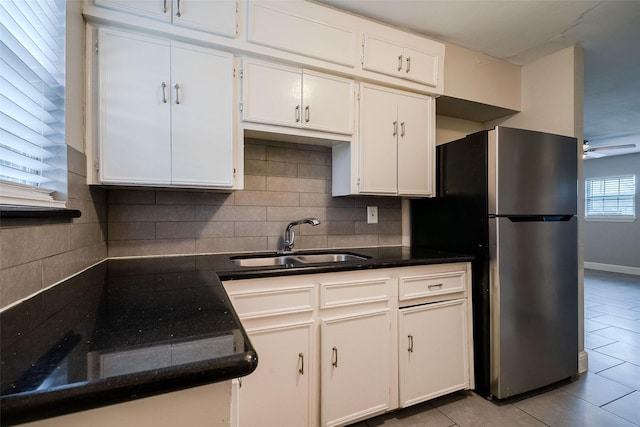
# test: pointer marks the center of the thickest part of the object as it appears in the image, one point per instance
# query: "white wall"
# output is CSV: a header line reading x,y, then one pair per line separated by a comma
x,y
613,246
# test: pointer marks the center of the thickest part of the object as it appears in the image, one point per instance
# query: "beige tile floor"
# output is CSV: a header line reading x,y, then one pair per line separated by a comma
x,y
608,395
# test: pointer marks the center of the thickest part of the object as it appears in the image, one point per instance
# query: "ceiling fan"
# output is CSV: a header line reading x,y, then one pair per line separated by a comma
x,y
596,152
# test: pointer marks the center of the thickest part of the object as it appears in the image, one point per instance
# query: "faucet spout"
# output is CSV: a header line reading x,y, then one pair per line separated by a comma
x,y
290,236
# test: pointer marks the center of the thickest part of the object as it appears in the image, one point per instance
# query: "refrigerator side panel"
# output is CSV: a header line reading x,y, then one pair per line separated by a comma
x,y
536,173
456,220
535,299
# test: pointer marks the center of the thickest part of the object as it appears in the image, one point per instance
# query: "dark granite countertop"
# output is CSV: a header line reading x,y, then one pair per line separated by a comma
x,y
131,328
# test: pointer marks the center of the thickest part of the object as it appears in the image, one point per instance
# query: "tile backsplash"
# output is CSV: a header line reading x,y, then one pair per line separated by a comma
x,y
283,182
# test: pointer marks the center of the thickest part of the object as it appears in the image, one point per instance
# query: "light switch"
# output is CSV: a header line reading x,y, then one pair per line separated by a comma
x,y
372,214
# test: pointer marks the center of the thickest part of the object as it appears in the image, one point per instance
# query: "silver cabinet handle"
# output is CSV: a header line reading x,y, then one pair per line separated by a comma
x,y
307,115
408,64
399,62
410,349
402,129
179,11
177,86
164,93
395,128
164,6
297,114
437,285
334,357
301,360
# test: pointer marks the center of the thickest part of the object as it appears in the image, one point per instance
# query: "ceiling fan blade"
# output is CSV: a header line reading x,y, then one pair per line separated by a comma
x,y
593,155
612,147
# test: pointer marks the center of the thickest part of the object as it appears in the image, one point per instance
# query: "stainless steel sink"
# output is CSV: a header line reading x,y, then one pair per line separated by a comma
x,y
295,259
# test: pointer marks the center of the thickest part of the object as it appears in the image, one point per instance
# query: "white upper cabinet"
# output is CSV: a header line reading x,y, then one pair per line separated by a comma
x,y
302,28
278,95
420,62
165,112
218,17
395,150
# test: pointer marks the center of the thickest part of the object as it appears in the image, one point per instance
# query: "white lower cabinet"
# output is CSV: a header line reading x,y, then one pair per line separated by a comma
x,y
433,350
333,348
278,392
352,349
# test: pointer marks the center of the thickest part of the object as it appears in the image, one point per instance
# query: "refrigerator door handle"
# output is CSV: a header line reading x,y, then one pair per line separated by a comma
x,y
539,218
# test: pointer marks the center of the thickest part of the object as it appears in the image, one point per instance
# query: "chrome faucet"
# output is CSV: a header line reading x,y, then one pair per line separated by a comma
x,y
290,236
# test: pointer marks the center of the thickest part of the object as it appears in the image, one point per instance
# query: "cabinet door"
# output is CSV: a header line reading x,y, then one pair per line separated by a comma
x,y
378,141
433,351
271,94
217,16
278,392
327,103
355,367
383,56
416,147
202,118
421,67
134,109
157,9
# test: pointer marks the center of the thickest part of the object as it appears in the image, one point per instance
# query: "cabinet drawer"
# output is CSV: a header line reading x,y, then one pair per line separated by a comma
x,y
337,294
425,285
273,302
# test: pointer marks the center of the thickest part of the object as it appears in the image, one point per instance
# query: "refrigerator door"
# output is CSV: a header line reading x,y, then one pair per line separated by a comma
x,y
534,297
532,173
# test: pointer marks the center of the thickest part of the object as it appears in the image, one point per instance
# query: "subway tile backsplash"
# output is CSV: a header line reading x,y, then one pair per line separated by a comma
x,y
283,182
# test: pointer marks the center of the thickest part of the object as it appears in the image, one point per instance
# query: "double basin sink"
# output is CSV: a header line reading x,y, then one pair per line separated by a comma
x,y
296,259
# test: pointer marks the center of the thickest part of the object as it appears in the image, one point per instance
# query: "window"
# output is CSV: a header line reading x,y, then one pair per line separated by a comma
x,y
32,119
611,197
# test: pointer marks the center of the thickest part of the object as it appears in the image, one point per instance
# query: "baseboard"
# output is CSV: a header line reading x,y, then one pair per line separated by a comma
x,y
583,362
612,268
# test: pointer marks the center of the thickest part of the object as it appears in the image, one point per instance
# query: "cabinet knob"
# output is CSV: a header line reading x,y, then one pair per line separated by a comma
x,y
410,349
179,11
395,128
400,63
408,64
297,114
334,357
307,114
402,129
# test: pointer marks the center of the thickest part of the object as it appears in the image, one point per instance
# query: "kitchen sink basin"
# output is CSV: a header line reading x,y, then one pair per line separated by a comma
x,y
295,259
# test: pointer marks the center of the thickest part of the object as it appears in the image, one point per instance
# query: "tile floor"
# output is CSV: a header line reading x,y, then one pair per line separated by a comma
x,y
606,396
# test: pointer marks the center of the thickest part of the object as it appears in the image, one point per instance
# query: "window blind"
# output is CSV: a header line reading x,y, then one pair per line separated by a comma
x,y
611,196
32,76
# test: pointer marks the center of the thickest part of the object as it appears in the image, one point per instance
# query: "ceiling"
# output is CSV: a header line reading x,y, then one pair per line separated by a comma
x,y
521,31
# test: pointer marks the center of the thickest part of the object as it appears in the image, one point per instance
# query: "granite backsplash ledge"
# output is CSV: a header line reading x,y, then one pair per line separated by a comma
x,y
283,182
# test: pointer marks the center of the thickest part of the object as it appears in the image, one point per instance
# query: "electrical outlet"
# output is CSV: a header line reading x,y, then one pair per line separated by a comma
x,y
372,214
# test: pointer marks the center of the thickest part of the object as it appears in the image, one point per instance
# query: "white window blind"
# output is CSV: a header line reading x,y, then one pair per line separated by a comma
x,y
613,196
32,75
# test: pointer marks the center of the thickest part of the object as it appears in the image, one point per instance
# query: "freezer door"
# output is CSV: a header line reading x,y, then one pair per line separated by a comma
x,y
534,304
532,172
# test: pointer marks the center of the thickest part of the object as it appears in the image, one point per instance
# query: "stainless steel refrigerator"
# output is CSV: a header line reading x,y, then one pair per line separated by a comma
x,y
509,197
